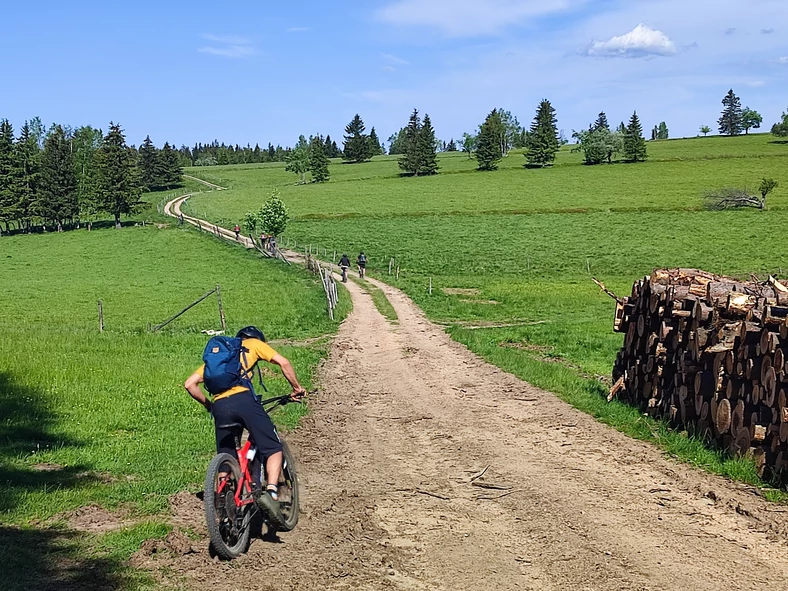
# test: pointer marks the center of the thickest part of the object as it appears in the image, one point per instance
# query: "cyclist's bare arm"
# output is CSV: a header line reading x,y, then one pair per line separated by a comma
x,y
192,386
289,373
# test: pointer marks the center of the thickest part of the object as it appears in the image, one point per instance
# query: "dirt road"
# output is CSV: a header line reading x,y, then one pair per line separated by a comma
x,y
404,421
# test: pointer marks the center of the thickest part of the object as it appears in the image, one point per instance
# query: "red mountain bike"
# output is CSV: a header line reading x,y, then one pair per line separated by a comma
x,y
229,501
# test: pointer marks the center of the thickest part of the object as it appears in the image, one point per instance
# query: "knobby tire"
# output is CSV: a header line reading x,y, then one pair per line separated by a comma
x,y
229,526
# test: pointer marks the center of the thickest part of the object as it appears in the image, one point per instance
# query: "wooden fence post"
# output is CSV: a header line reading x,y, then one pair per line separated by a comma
x,y
101,315
430,285
221,308
397,273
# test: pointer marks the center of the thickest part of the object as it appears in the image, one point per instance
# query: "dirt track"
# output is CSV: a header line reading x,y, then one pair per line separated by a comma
x,y
406,418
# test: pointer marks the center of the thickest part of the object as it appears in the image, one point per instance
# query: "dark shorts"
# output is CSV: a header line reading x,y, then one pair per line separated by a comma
x,y
244,408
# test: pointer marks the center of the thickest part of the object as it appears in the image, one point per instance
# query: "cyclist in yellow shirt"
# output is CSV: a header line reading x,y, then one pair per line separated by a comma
x,y
239,404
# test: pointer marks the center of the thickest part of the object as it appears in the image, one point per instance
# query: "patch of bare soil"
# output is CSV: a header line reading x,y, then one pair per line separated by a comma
x,y
393,496
94,519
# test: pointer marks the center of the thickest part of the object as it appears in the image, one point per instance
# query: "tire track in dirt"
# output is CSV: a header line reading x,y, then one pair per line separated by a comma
x,y
405,419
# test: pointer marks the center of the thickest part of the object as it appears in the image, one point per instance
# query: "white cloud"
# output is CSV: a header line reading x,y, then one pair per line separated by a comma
x,y
768,31
227,39
641,41
297,29
393,59
228,46
782,60
756,83
389,69
730,31
467,18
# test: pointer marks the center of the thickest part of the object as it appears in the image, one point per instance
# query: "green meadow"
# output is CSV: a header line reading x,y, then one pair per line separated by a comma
x,y
519,246
102,419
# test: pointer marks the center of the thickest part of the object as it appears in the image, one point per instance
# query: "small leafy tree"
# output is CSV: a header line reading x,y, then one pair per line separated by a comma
x,y
781,129
705,130
451,146
662,131
750,120
598,145
468,143
274,216
298,160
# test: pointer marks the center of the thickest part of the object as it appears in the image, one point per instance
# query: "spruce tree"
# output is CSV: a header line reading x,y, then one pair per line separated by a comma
x,y
542,143
117,179
488,150
634,142
172,171
374,143
9,176
730,122
150,166
28,162
409,145
428,159
356,148
451,146
57,198
601,122
318,161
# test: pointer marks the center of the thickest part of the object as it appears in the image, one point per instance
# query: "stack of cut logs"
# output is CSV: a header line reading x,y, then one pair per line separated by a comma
x,y
710,355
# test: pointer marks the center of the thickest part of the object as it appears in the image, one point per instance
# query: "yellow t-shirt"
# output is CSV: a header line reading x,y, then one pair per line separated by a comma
x,y
256,350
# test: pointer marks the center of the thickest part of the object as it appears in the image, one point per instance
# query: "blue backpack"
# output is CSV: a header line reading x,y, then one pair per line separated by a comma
x,y
223,369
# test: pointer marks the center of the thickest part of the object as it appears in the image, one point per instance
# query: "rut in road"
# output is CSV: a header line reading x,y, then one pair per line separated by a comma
x,y
404,421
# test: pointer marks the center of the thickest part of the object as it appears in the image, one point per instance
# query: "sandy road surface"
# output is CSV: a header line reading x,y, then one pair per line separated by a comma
x,y
404,421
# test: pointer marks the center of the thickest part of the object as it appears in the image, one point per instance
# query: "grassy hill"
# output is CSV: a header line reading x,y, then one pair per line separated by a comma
x,y
518,246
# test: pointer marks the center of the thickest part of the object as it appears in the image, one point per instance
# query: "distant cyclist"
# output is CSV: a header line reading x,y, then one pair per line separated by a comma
x,y
344,264
361,261
239,404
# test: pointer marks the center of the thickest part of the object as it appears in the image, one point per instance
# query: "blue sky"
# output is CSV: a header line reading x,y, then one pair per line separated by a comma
x,y
243,72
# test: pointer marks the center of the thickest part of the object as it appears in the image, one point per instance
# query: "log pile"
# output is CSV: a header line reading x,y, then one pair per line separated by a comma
x,y
710,355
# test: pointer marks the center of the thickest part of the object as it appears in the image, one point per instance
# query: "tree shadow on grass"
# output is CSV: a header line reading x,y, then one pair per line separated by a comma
x,y
49,560
27,425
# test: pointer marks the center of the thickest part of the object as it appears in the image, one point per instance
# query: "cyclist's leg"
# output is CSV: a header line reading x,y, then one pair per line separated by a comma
x,y
262,430
224,413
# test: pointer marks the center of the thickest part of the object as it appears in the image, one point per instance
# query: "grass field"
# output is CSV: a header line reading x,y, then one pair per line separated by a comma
x,y
89,418
518,246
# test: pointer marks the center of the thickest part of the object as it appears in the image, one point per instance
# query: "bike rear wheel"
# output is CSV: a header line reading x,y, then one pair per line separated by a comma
x,y
288,490
229,525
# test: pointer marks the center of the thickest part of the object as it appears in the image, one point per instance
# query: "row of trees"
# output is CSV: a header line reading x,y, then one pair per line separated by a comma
x,y
62,176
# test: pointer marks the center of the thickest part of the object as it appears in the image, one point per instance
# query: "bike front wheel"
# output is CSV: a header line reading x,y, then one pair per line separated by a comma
x,y
228,524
